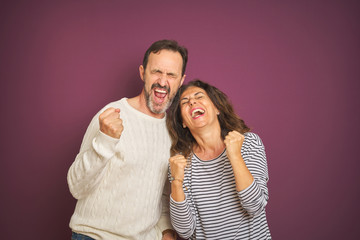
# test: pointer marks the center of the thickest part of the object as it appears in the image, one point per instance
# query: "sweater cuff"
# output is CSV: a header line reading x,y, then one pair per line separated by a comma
x,y
172,201
104,145
164,223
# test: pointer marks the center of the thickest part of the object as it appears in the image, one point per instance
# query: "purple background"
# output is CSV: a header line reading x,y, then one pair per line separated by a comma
x,y
291,68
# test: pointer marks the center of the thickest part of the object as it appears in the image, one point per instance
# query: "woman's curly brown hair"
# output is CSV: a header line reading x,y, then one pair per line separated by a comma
x,y
182,139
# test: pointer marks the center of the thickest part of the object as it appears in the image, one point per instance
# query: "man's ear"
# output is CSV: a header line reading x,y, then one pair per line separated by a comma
x,y
141,72
182,80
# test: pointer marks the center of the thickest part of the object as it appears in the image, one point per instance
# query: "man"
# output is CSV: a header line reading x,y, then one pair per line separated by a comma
x,y
119,175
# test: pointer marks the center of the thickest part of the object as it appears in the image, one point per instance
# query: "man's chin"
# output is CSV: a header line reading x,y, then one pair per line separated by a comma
x,y
158,108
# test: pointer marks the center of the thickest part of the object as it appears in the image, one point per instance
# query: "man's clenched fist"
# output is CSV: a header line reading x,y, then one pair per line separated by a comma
x,y
111,123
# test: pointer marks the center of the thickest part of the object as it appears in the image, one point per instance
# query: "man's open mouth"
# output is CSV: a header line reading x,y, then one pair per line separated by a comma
x,y
160,95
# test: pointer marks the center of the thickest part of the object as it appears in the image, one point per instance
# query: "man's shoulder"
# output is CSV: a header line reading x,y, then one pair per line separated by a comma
x,y
117,104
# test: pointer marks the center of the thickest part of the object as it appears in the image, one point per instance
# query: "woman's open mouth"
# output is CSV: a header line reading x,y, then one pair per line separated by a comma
x,y
197,112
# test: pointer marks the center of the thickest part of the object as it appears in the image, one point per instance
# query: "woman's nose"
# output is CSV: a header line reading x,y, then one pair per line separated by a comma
x,y
192,101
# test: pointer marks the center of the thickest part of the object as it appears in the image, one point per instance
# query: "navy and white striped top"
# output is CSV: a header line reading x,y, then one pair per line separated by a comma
x,y
213,208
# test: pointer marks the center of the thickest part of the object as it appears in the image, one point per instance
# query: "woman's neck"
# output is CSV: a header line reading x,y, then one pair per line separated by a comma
x,y
209,144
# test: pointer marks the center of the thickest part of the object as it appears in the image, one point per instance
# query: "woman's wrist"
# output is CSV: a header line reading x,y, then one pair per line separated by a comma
x,y
173,179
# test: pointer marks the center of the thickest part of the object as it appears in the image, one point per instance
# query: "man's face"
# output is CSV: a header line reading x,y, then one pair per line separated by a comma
x,y
162,78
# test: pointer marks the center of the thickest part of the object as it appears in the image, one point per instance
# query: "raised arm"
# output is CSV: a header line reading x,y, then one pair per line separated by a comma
x,y
182,214
249,164
97,148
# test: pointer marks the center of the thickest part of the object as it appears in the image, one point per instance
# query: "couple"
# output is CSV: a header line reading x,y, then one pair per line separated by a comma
x,y
218,170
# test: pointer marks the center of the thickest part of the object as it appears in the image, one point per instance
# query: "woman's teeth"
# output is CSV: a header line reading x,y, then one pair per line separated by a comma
x,y
197,112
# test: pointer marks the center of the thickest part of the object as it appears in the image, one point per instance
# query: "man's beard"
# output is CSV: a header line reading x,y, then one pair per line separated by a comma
x,y
152,105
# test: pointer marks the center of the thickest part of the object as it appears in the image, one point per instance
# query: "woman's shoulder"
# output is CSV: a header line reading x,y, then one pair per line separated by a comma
x,y
253,138
251,135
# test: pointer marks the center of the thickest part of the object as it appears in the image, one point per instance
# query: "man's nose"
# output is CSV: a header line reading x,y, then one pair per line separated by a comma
x,y
162,80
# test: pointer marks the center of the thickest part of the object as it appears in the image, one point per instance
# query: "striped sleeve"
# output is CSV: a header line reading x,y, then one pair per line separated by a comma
x,y
182,218
255,197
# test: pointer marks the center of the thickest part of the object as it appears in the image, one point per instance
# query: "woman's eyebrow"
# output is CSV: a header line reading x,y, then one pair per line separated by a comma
x,y
198,93
194,95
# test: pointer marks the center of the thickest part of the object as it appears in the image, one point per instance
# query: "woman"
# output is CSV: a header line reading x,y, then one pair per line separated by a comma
x,y
218,170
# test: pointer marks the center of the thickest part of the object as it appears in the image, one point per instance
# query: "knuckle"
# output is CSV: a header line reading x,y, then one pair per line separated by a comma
x,y
112,127
105,121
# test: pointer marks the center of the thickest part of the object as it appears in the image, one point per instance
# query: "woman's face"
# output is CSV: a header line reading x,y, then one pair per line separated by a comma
x,y
197,109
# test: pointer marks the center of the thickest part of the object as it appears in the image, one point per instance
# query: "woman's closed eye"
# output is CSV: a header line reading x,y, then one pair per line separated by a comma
x,y
199,97
184,102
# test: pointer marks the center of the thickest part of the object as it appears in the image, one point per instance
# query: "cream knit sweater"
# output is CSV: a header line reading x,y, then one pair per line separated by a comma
x,y
119,183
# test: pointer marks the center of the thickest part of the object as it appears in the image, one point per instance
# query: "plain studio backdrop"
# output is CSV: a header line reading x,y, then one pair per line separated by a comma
x,y
291,69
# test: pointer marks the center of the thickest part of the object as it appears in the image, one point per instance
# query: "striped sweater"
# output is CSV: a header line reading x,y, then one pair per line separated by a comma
x,y
213,208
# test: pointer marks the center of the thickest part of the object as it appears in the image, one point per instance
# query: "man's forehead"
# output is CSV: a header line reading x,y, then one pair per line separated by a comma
x,y
165,61
166,54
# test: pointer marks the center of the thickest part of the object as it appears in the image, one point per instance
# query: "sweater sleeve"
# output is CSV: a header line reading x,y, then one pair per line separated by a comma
x,y
255,197
182,217
88,168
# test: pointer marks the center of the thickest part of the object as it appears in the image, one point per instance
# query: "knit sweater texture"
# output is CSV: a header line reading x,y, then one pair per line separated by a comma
x,y
119,182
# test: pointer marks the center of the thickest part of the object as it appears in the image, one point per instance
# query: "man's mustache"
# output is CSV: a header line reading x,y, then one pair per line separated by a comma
x,y
157,85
